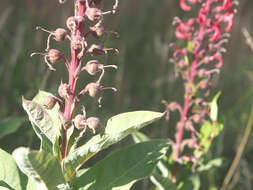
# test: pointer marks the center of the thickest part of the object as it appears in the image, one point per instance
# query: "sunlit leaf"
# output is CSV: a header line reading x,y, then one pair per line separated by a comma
x,y
118,127
42,167
10,175
119,170
214,107
40,117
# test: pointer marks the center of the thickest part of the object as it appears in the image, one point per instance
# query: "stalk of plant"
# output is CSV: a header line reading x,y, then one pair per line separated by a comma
x,y
84,10
205,36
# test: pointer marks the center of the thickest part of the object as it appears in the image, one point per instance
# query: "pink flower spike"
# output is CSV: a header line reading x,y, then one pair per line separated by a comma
x,y
184,6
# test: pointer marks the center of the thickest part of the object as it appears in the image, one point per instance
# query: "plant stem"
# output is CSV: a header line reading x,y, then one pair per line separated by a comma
x,y
72,78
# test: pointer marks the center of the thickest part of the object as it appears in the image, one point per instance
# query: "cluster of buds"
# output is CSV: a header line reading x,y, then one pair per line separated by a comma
x,y
196,62
83,10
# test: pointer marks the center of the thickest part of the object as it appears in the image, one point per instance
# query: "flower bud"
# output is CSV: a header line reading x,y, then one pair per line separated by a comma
x,y
60,34
64,90
92,88
96,50
97,30
79,121
71,23
93,14
93,123
54,55
92,67
49,102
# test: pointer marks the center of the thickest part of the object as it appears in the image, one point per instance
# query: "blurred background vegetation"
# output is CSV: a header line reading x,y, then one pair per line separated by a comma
x,y
143,79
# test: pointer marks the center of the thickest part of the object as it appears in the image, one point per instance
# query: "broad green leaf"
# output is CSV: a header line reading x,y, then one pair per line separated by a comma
x,y
9,173
40,117
42,167
118,127
214,107
53,113
217,162
10,125
161,177
123,167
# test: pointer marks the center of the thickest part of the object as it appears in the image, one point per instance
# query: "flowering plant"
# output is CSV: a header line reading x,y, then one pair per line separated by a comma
x,y
68,138
196,60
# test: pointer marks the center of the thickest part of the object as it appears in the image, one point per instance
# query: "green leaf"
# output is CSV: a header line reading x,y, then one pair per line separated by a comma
x,y
10,175
161,177
118,127
208,131
123,167
139,137
217,162
214,107
42,167
53,113
40,117
10,125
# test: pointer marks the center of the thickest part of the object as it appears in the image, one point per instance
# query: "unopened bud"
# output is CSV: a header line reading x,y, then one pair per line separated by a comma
x,y
96,50
71,23
79,121
93,14
49,102
60,34
93,123
63,90
173,106
92,88
54,55
92,67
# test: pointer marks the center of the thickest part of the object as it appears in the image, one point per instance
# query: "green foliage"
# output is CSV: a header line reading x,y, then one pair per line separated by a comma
x,y
117,128
10,125
42,167
133,163
10,175
122,168
214,107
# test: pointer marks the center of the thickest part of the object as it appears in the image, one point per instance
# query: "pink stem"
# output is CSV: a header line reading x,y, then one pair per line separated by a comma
x,y
72,78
